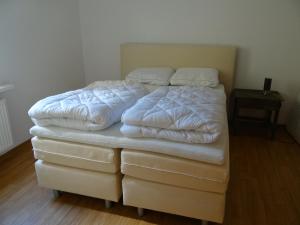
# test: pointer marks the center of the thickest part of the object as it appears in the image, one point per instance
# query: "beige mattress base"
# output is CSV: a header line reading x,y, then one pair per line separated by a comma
x,y
196,204
175,171
77,155
152,181
79,181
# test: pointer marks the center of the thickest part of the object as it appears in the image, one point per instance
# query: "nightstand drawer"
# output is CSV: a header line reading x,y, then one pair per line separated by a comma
x,y
258,104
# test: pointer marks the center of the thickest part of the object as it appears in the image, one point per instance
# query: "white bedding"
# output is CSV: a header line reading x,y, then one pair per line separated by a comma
x,y
94,107
183,113
151,75
112,138
151,87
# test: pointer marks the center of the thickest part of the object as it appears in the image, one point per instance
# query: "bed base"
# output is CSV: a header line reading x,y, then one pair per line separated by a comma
x,y
206,206
56,194
79,181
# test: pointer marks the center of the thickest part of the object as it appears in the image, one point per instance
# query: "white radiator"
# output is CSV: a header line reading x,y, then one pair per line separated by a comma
x,y
5,132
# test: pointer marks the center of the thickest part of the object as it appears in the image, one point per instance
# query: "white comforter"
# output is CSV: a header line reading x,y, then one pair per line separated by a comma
x,y
184,114
94,107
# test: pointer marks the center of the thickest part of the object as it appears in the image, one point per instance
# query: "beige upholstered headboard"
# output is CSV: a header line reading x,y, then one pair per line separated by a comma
x,y
180,55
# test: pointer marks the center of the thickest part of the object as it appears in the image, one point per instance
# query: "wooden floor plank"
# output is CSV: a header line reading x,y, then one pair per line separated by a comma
x,y
264,189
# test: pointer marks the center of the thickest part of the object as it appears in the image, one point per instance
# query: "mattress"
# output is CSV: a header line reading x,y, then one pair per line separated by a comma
x,y
175,171
112,138
89,157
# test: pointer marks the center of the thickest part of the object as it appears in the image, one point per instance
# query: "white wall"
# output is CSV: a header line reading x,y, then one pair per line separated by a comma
x,y
267,33
40,42
40,52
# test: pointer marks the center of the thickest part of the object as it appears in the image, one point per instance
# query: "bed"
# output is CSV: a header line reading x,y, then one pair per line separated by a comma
x,y
180,178
162,189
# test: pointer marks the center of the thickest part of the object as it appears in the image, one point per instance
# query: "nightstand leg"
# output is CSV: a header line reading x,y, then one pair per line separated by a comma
x,y
270,113
274,125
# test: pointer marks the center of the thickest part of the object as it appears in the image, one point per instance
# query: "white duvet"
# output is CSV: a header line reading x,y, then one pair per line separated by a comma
x,y
94,107
178,113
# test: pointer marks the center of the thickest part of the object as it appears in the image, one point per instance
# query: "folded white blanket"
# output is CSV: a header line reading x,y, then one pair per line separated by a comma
x,y
94,107
183,113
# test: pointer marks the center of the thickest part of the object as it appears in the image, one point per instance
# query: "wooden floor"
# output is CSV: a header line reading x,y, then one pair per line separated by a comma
x,y
264,189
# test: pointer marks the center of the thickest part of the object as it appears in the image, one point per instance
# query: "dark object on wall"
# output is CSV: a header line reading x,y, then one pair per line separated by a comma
x,y
267,85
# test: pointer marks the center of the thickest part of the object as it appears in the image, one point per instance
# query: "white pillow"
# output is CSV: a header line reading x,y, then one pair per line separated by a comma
x,y
207,77
154,75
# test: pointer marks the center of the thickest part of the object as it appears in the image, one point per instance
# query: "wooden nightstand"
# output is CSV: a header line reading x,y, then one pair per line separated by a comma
x,y
255,99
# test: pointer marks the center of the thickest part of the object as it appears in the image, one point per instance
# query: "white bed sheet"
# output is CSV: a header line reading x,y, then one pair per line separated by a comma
x,y
111,137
